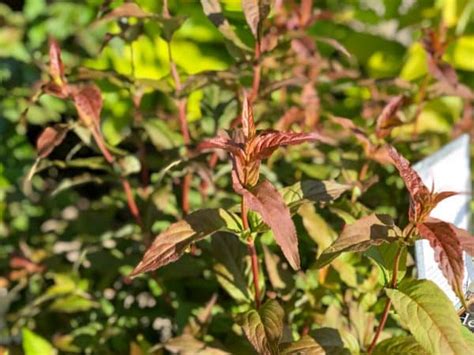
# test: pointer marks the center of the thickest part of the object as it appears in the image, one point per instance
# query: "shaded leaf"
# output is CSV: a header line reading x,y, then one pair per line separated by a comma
x,y
406,345
267,201
186,344
383,255
306,345
49,139
430,316
465,238
280,276
448,251
72,304
173,242
233,266
313,191
264,328
374,229
318,229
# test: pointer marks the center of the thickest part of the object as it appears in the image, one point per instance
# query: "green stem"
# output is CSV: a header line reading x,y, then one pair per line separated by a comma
x,y
252,253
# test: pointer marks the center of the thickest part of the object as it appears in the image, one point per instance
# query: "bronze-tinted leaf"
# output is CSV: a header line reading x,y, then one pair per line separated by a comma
x,y
305,345
49,139
255,12
56,66
267,142
267,201
220,142
464,237
420,195
173,242
388,120
448,251
374,229
88,102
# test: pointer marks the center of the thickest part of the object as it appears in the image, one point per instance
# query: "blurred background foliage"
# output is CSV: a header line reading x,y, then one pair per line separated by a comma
x,y
67,239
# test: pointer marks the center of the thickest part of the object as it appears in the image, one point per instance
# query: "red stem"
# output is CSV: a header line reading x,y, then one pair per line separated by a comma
x,y
257,71
252,253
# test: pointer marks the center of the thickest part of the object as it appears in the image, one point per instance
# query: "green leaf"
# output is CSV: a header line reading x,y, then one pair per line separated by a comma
x,y
430,316
383,255
233,266
72,304
306,345
318,229
33,344
173,242
359,236
406,345
264,328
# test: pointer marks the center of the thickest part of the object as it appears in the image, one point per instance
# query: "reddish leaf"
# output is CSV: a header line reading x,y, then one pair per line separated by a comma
x,y
173,242
267,142
267,201
387,119
465,238
440,196
420,195
248,123
311,103
88,101
56,66
448,251
220,142
50,138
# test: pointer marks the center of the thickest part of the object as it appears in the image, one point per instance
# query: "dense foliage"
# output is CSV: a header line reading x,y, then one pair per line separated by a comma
x,y
221,176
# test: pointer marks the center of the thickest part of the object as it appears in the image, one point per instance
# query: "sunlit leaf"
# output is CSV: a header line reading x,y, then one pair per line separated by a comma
x,y
256,11
388,120
49,139
306,345
430,316
33,344
406,345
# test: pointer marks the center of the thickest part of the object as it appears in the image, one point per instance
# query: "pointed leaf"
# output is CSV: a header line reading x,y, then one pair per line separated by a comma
x,y
448,251
267,142
173,242
56,66
49,139
33,344
430,316
387,120
465,238
406,345
255,12
266,201
220,142
88,102
306,345
418,191
248,123
264,328
374,229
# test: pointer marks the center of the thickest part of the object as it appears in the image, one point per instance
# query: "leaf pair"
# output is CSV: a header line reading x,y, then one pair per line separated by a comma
x,y
248,148
447,240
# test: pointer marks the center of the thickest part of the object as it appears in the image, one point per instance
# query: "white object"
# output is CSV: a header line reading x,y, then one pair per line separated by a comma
x,y
450,170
